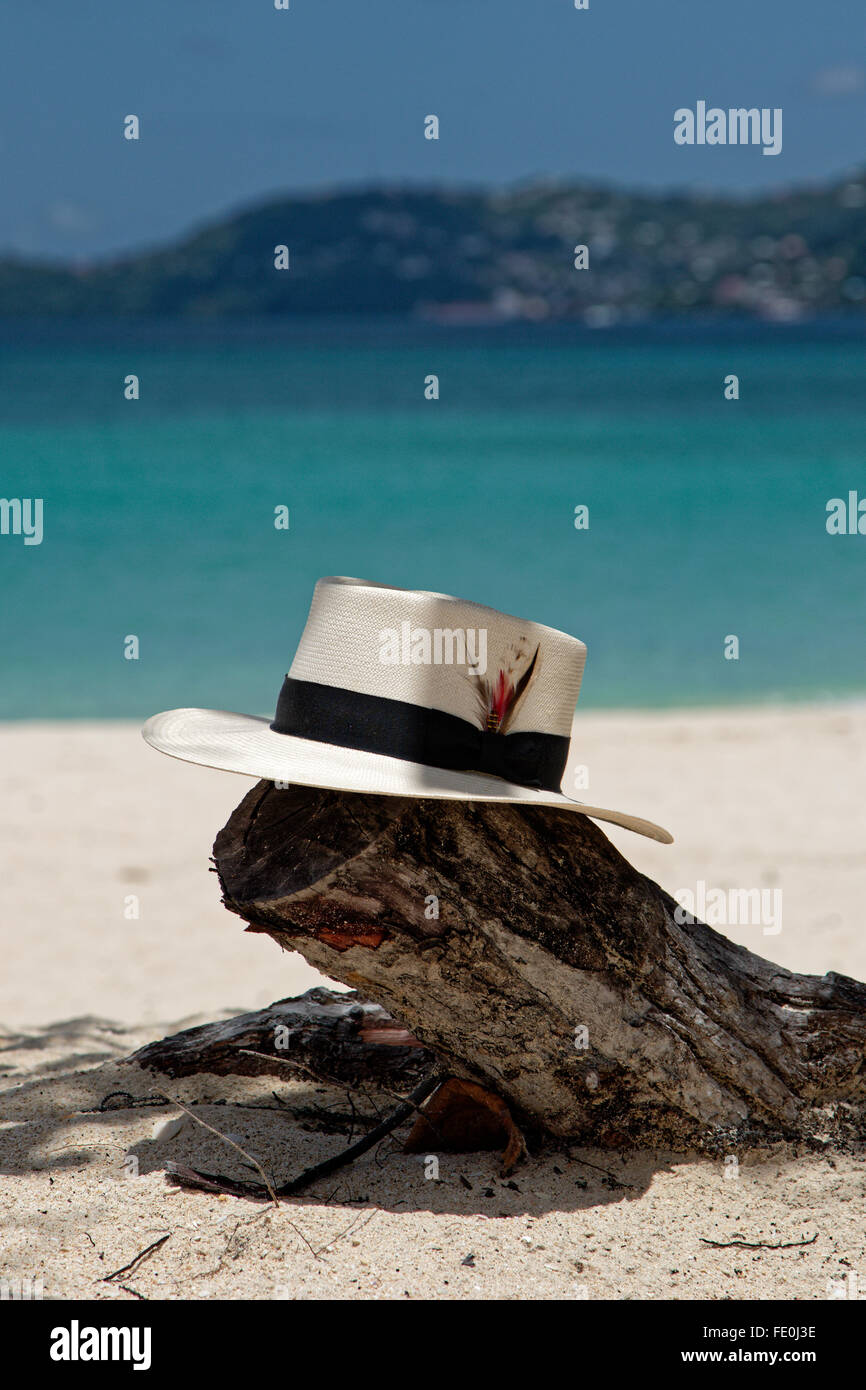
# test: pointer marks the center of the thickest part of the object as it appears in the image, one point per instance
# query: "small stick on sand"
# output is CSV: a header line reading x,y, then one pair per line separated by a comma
x,y
249,1157
148,1250
758,1244
182,1176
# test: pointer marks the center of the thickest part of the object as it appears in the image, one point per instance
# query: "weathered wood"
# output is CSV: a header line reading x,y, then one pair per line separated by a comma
x,y
334,1036
544,929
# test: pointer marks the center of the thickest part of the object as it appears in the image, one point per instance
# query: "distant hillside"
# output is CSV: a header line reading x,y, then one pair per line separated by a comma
x,y
485,257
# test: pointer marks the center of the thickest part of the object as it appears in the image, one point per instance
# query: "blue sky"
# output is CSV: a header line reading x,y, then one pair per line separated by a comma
x,y
239,101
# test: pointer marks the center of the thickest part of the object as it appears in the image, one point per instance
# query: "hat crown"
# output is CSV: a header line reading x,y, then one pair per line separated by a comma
x,y
443,653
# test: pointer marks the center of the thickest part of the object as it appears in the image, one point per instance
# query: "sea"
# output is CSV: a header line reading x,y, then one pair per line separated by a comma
x,y
707,516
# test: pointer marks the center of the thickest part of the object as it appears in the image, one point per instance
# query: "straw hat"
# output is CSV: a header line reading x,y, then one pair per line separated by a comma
x,y
399,692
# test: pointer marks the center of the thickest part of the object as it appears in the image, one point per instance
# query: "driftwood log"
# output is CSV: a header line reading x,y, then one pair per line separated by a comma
x,y
523,950
331,1036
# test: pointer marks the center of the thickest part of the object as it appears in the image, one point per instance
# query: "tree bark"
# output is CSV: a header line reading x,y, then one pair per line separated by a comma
x,y
521,947
337,1037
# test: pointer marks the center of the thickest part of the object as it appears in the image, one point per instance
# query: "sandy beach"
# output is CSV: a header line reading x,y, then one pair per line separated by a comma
x,y
113,934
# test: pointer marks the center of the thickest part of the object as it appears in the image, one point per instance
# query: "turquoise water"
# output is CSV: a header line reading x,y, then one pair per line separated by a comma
x,y
707,517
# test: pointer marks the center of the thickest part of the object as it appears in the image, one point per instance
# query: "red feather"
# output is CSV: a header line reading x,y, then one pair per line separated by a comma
x,y
499,700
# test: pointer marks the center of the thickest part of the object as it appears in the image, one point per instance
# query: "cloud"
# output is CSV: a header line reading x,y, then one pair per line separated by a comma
x,y
842,81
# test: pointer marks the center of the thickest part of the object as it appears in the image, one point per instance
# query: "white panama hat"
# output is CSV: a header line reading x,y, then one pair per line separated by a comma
x,y
400,692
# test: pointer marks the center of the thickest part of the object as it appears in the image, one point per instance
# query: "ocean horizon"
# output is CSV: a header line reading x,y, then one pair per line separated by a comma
x,y
707,516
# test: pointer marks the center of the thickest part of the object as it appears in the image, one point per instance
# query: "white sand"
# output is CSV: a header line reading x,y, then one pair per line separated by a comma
x,y
762,798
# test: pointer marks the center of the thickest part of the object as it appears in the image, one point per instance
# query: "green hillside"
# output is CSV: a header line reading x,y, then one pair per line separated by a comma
x,y
466,256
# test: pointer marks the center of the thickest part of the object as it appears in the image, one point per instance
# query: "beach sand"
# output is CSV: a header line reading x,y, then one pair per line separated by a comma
x,y
97,828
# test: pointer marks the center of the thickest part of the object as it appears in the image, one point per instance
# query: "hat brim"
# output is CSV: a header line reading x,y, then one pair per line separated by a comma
x,y
245,743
